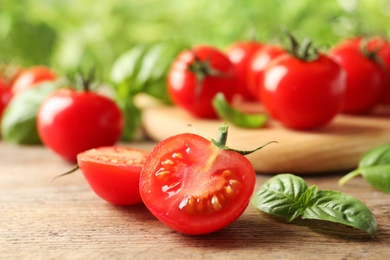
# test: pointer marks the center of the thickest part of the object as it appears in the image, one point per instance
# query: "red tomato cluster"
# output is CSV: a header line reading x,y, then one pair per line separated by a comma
x,y
300,92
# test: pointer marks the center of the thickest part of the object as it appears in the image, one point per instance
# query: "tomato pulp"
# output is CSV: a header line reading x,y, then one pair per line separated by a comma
x,y
113,173
193,186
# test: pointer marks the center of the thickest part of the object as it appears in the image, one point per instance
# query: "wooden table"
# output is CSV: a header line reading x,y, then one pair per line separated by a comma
x,y
64,219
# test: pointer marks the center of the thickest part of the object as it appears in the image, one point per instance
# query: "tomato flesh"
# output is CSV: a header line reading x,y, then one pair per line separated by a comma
x,y
113,173
194,187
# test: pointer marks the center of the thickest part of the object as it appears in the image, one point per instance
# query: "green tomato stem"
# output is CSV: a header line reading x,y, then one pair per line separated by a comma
x,y
349,176
221,142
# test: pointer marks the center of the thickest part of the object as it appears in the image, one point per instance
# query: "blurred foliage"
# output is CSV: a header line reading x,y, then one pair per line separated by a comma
x,y
65,34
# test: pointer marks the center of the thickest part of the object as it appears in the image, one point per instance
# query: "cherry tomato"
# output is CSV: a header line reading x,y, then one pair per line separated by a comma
x,y
195,187
374,44
29,77
70,122
241,53
5,95
367,80
303,94
257,65
196,76
113,172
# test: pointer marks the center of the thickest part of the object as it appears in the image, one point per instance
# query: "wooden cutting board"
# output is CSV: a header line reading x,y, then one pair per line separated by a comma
x,y
334,148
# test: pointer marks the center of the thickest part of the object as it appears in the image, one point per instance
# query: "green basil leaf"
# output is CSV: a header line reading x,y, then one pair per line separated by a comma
x,y
340,208
379,155
378,176
288,196
18,124
226,112
280,196
374,166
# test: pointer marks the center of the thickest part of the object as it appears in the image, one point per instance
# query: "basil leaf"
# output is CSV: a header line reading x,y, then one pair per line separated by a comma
x,y
226,112
340,208
142,69
280,196
18,124
286,195
374,166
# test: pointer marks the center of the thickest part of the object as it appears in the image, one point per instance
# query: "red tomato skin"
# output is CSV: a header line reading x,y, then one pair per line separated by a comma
x,y
29,77
240,54
182,83
257,65
199,173
70,122
303,95
379,44
113,173
366,80
5,95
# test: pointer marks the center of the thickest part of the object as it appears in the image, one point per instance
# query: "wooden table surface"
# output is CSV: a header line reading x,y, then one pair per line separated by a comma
x,y
64,219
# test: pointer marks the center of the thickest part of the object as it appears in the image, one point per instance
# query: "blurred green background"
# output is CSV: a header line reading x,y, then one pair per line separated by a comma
x,y
66,33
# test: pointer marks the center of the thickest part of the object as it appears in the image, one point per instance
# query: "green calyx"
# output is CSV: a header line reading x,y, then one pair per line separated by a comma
x,y
373,53
201,69
304,51
222,138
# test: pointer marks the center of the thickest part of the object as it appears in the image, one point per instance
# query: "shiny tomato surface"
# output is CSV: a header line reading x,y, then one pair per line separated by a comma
x,y
367,80
70,122
241,54
113,173
196,76
30,77
257,65
303,94
193,186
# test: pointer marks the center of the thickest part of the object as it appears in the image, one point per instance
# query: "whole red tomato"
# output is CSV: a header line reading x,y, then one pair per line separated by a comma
x,y
113,172
196,76
303,94
367,79
5,95
376,44
29,77
195,186
241,53
257,65
70,122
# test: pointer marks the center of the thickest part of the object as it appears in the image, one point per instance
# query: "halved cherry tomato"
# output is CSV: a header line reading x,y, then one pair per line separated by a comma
x,y
194,186
241,53
30,77
113,172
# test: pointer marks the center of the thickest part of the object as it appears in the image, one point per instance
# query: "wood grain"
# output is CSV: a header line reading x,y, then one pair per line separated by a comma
x,y
64,219
335,147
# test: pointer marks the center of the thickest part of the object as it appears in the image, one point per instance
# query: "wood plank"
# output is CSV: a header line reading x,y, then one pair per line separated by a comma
x,y
335,147
64,219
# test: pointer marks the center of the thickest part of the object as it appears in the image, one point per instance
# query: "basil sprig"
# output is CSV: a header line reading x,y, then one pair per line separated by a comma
x,y
287,195
374,166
